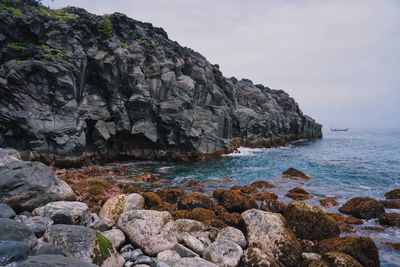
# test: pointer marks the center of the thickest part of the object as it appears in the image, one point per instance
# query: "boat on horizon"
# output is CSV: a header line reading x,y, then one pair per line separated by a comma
x,y
339,129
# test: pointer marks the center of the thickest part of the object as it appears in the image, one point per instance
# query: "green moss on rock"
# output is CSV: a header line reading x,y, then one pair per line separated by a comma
x,y
103,249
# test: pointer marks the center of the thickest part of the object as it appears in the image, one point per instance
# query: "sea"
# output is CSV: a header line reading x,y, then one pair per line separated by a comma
x,y
359,162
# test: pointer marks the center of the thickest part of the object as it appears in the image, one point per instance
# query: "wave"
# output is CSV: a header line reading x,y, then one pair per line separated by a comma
x,y
245,152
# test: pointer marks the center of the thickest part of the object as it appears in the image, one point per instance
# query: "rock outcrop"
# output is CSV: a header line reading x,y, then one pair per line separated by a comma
x,y
75,86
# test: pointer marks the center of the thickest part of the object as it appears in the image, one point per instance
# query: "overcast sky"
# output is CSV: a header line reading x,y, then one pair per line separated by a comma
x,y
339,59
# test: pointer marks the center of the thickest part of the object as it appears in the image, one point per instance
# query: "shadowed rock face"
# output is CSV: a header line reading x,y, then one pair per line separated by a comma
x,y
76,86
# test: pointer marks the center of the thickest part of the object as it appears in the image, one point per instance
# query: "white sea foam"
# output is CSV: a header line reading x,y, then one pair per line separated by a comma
x,y
245,152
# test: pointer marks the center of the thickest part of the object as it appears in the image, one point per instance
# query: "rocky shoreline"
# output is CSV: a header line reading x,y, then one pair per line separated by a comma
x,y
94,220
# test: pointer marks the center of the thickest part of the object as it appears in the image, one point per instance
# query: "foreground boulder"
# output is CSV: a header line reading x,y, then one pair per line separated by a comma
x,y
12,230
80,243
65,212
224,253
363,249
254,257
270,233
28,185
310,222
117,205
340,259
234,235
148,229
194,262
12,251
53,261
363,208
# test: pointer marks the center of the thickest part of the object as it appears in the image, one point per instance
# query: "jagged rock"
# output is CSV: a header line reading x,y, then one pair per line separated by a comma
x,y
363,208
6,211
310,222
295,173
390,218
254,257
363,249
393,194
8,155
79,93
117,205
148,229
194,262
28,185
234,235
12,251
224,253
65,212
54,261
12,230
170,257
80,243
37,224
270,233
116,237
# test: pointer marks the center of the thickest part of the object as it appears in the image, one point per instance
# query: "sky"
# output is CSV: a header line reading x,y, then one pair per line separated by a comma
x,y
339,59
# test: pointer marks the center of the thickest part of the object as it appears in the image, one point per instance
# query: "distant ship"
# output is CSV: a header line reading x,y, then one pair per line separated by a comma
x,y
339,129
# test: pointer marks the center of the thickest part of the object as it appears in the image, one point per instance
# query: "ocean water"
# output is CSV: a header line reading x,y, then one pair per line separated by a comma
x,y
360,162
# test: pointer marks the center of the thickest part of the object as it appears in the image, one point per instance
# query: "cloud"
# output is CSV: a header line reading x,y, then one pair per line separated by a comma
x,y
339,59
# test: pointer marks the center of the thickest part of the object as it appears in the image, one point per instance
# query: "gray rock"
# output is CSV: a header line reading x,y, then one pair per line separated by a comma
x,y
233,234
269,232
194,244
194,262
53,261
28,185
224,253
143,259
132,255
65,212
181,227
116,237
148,229
170,257
157,263
6,211
8,155
117,205
80,243
255,257
37,224
184,251
12,251
44,248
127,248
15,231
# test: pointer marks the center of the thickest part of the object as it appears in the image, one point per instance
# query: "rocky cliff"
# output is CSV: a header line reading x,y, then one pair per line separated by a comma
x,y
75,86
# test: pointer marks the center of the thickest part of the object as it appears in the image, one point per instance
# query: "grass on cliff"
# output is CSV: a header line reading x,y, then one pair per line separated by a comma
x,y
106,27
19,47
58,14
9,6
55,54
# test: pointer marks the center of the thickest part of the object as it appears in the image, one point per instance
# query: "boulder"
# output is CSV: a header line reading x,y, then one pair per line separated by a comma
x,y
37,224
148,229
12,251
194,262
233,234
185,252
116,237
224,253
12,230
273,206
363,208
8,155
247,189
194,200
151,199
65,212
254,257
393,194
236,201
80,243
262,184
270,233
117,205
193,243
6,211
170,257
28,185
264,196
295,173
339,259
363,249
390,219
391,203
310,222
171,195
328,202
45,248
53,261
298,193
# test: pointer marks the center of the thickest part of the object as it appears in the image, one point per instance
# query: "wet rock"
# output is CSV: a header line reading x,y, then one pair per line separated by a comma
x,y
12,251
170,257
185,252
310,222
340,260
270,233
363,208
171,195
298,193
329,202
194,200
294,173
393,245
80,243
393,194
234,235
11,230
117,205
151,199
273,206
390,219
28,185
195,183
247,189
224,253
229,218
194,262
116,237
264,196
373,228
262,184
54,261
236,201
148,230
6,211
254,257
391,203
37,224
193,243
363,249
344,221
65,212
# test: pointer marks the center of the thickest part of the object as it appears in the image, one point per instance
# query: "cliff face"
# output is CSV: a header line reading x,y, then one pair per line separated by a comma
x,y
74,85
